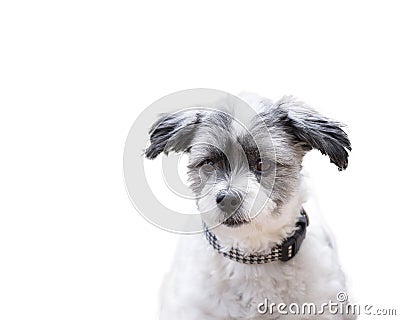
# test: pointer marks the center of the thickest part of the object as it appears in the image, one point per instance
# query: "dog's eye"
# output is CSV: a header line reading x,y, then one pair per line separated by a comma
x,y
263,165
207,165
207,162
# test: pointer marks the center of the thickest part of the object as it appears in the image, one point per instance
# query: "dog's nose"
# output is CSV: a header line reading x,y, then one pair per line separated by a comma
x,y
228,201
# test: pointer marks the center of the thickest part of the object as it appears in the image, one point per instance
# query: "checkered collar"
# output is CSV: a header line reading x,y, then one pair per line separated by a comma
x,y
283,252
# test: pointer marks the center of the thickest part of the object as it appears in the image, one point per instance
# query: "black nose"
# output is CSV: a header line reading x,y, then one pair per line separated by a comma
x,y
228,201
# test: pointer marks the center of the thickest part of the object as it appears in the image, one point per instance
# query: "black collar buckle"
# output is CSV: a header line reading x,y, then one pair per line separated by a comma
x,y
292,245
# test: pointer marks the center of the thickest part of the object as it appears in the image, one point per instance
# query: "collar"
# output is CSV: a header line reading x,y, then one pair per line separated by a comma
x,y
282,252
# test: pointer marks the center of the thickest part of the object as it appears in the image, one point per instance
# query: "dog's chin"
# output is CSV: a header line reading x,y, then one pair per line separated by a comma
x,y
234,222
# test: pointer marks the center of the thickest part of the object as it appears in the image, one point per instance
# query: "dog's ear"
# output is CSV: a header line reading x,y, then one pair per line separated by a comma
x,y
313,131
173,132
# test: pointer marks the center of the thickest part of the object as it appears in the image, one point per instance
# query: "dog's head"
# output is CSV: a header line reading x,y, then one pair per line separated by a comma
x,y
234,168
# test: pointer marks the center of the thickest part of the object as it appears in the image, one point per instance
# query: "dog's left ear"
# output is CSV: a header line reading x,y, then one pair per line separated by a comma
x,y
173,132
314,131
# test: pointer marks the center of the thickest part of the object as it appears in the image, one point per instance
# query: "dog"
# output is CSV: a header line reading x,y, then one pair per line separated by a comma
x,y
256,249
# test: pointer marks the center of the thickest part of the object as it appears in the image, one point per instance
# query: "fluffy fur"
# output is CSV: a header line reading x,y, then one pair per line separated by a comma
x,y
260,162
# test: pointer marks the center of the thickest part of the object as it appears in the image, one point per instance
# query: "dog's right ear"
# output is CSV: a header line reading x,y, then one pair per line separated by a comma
x,y
173,132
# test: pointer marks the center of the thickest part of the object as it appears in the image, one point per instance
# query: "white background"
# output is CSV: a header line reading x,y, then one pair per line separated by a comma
x,y
74,75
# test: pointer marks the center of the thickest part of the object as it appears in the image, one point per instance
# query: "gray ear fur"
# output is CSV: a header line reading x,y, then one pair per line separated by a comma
x,y
172,132
315,131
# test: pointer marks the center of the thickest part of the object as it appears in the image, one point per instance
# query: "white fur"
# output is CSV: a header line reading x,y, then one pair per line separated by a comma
x,y
205,285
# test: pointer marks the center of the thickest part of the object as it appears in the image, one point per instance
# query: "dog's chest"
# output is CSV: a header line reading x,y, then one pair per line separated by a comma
x,y
203,284
242,288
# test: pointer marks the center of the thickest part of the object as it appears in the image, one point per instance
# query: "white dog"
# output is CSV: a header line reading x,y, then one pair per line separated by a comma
x,y
251,256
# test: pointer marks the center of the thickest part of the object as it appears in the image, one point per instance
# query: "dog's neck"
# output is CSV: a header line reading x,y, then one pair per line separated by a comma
x,y
269,229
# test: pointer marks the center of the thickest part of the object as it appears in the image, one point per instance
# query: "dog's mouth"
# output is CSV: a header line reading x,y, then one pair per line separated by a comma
x,y
235,220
